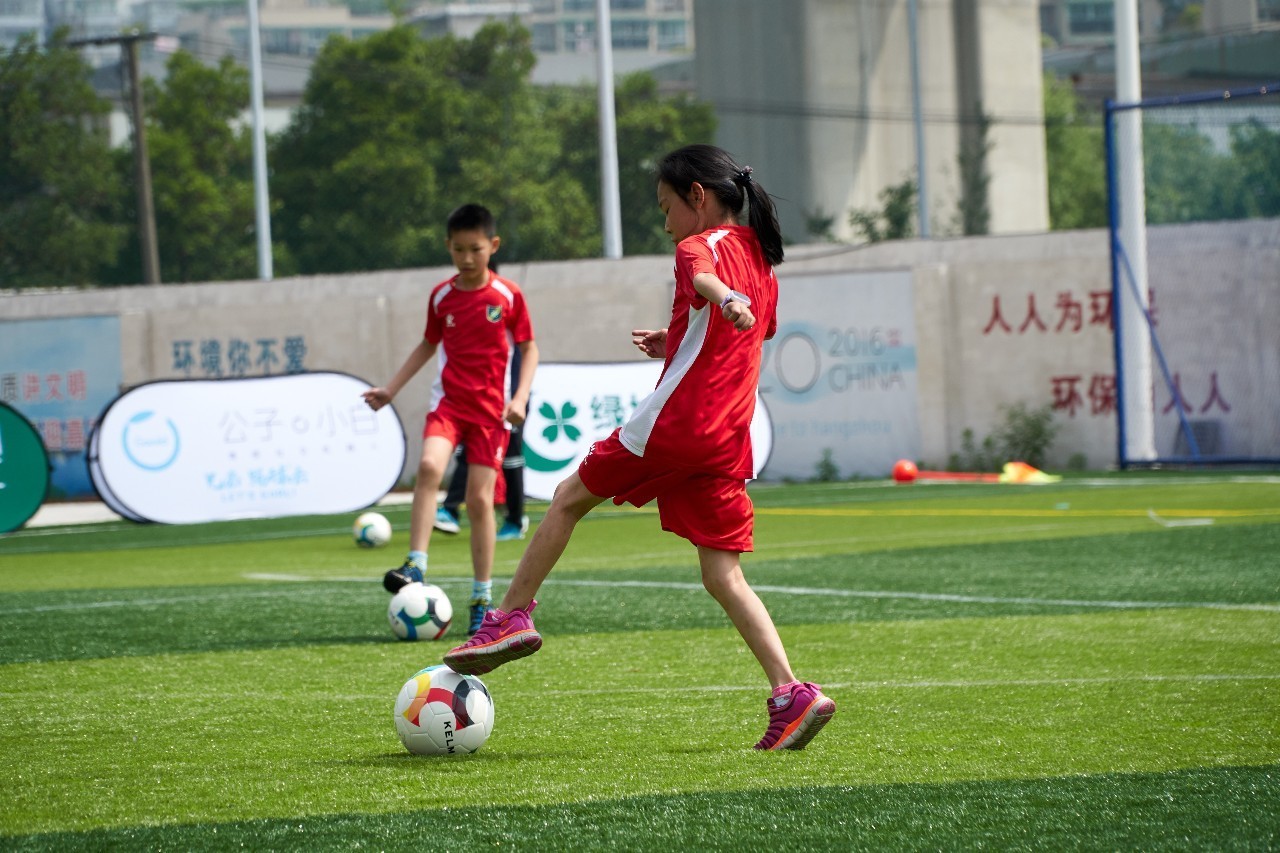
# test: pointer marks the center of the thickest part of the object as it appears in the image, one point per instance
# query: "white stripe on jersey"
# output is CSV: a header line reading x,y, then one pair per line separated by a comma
x,y
511,340
635,434
437,386
712,239
441,294
504,290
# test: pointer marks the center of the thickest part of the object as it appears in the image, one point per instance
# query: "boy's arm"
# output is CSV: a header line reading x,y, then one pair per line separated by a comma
x,y
518,405
418,356
732,306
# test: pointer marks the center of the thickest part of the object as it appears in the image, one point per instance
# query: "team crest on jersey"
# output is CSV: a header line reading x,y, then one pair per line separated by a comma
x,y
493,313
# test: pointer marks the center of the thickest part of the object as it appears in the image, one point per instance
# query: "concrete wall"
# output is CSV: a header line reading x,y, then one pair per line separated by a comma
x,y
816,96
999,321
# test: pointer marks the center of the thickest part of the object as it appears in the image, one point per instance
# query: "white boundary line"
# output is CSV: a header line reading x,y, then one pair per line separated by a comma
x,y
959,685
160,601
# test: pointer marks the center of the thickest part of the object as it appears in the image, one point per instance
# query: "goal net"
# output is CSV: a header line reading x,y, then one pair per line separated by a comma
x,y
1196,277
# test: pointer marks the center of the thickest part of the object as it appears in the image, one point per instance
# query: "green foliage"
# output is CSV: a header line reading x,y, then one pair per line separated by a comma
x,y
973,215
1189,180
202,171
1027,433
1184,177
1075,159
394,132
1025,436
648,125
895,218
821,226
59,220
1257,151
826,470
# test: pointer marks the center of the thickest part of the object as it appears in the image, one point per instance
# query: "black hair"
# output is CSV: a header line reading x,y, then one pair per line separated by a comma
x,y
732,184
471,217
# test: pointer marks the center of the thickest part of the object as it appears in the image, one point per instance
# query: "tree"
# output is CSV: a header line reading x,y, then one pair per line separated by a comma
x,y
202,165
648,126
395,131
1258,151
1075,160
58,217
1185,179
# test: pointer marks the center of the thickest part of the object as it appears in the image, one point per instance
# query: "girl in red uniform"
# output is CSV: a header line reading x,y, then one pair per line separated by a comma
x,y
688,443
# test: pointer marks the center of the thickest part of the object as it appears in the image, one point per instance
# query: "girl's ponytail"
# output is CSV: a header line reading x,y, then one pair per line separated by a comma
x,y
732,184
762,216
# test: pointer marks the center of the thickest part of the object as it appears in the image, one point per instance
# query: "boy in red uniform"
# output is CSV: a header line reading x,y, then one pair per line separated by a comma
x,y
473,320
688,444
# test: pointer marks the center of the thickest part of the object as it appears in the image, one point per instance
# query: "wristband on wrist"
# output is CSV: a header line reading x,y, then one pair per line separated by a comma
x,y
735,296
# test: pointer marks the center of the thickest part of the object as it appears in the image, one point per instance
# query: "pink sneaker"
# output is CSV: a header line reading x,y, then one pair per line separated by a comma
x,y
502,637
795,718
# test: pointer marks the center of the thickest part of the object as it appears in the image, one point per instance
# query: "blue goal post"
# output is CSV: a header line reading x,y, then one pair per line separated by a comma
x,y
1195,277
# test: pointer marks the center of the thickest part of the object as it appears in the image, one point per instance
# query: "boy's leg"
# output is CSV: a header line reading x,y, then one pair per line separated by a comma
x,y
456,496
480,484
508,633
431,468
436,450
797,711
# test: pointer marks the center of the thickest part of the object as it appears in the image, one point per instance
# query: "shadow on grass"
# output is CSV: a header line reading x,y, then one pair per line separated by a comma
x,y
1201,808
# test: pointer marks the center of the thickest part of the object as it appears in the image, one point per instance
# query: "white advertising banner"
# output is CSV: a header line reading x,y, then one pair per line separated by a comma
x,y
197,450
572,406
840,375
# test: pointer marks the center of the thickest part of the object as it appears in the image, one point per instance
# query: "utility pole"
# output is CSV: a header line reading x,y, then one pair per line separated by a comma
x,y
141,160
610,194
261,206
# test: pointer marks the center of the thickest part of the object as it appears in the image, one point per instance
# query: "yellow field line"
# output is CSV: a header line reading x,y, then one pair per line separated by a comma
x,y
859,512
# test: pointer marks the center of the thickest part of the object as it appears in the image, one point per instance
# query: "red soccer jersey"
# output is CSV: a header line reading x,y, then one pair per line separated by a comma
x,y
476,330
699,415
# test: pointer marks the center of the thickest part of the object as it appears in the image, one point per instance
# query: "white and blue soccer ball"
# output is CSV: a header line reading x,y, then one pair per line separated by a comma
x,y
440,712
420,611
371,530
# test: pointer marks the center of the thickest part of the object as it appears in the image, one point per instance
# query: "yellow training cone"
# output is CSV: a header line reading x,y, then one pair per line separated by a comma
x,y
1021,472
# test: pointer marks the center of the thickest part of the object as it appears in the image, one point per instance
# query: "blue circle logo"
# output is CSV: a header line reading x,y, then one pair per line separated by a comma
x,y
150,444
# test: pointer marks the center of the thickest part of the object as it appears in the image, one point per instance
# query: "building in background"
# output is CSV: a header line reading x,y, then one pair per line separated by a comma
x,y
816,95
655,36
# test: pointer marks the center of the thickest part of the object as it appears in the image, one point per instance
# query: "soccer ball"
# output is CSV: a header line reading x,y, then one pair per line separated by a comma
x,y
420,611
440,712
371,530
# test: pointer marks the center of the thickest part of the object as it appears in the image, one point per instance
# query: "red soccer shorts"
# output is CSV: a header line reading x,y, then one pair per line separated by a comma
x,y
485,444
709,510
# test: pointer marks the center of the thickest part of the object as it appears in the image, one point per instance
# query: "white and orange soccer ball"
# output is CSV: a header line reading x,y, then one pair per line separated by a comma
x,y
419,611
440,712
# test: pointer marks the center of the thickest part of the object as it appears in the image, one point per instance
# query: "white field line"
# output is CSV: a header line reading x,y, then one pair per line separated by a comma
x,y
951,684
1102,604
1178,522
958,684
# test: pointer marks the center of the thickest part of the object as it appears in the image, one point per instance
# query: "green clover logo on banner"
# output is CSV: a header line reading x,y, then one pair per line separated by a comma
x,y
559,421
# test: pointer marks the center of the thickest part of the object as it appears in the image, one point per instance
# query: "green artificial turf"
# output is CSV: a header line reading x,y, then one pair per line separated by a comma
x,y
1089,665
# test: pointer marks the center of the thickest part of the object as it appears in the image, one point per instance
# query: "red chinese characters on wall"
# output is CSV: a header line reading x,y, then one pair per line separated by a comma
x,y
1075,393
1069,314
